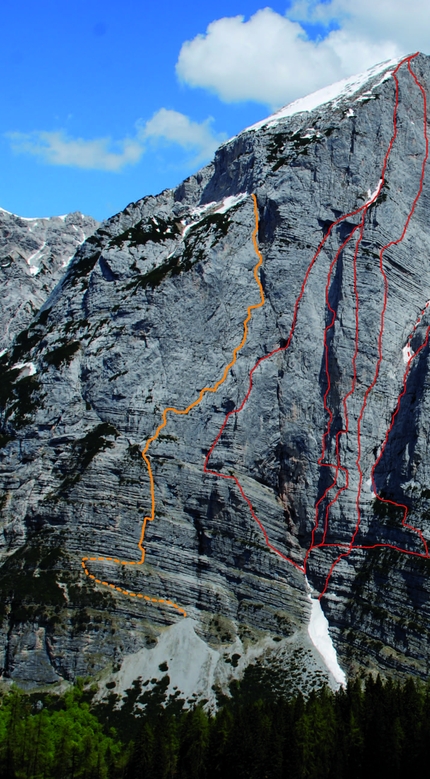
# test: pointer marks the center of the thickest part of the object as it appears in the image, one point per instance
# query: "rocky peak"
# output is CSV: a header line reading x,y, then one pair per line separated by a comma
x,y
33,256
260,334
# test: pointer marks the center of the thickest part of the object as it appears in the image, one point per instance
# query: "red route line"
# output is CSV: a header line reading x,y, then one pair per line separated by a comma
x,y
379,361
412,333
338,467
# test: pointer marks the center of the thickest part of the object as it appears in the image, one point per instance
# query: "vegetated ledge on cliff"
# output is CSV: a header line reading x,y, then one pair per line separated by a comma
x,y
149,312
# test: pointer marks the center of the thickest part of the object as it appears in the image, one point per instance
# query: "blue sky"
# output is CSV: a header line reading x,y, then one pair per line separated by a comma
x,y
105,102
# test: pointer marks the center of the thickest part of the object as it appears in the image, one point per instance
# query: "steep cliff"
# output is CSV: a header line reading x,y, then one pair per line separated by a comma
x,y
260,334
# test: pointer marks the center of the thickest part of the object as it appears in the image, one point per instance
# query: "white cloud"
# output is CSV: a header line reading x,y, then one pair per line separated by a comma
x,y
58,148
269,58
174,127
406,24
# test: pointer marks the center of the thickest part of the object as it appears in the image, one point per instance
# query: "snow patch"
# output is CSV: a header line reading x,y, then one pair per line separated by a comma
x,y
320,637
27,368
3,352
215,207
32,218
231,201
386,76
407,353
197,212
24,218
312,133
365,96
37,255
373,195
407,350
83,237
331,94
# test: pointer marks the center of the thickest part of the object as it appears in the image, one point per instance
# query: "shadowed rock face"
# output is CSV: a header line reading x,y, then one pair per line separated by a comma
x,y
148,313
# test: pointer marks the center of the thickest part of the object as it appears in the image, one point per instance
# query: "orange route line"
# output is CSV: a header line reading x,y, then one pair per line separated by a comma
x,y
162,425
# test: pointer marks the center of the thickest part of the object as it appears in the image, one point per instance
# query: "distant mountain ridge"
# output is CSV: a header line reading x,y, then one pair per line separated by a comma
x,y
33,256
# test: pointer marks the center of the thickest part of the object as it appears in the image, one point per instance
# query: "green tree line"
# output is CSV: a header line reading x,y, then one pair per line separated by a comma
x,y
370,730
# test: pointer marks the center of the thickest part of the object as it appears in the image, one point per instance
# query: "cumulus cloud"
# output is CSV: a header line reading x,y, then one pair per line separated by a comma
x,y
57,148
174,127
167,126
270,59
405,24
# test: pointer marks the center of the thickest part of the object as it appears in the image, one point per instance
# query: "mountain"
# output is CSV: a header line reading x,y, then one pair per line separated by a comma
x,y
33,256
221,410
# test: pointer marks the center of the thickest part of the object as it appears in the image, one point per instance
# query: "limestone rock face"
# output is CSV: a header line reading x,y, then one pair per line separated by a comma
x,y
148,314
33,256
